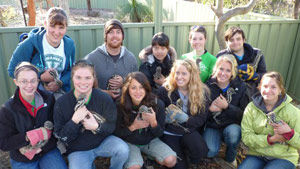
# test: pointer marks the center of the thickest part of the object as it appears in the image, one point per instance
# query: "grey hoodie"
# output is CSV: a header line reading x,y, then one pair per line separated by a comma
x,y
106,68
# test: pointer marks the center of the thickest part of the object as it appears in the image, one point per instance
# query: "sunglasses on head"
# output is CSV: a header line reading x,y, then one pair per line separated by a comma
x,y
195,27
84,62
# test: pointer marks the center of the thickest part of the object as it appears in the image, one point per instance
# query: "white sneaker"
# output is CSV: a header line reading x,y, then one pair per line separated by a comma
x,y
234,163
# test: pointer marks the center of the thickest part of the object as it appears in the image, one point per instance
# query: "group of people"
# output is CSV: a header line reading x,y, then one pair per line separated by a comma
x,y
174,111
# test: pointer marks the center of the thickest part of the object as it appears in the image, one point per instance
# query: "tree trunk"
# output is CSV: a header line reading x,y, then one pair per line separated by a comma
x,y
296,9
220,33
65,5
223,18
31,12
50,3
89,5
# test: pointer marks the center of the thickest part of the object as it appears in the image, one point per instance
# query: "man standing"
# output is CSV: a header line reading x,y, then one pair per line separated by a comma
x,y
251,61
113,62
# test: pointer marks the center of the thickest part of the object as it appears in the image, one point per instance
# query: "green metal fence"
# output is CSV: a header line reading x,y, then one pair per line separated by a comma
x,y
279,41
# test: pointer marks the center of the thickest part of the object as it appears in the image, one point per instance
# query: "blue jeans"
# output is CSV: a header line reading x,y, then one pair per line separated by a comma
x,y
256,162
111,146
52,159
231,135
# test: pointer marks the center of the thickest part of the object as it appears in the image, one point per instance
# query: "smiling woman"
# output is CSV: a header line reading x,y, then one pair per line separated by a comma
x,y
141,130
204,60
77,124
271,127
26,124
158,61
50,50
186,101
229,97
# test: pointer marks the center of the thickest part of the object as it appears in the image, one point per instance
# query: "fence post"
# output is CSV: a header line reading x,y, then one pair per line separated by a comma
x,y
158,8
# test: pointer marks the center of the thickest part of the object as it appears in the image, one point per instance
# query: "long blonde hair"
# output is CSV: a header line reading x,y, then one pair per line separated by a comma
x,y
196,89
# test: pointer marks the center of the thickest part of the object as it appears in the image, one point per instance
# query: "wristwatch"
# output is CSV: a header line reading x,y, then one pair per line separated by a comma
x,y
98,128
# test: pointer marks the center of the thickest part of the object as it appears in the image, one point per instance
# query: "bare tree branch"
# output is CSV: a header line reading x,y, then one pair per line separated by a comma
x,y
239,10
223,18
219,9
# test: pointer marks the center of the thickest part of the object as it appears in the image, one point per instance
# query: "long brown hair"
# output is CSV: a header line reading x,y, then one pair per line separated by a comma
x,y
126,103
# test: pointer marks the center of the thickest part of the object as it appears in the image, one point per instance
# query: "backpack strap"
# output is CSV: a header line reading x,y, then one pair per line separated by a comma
x,y
33,53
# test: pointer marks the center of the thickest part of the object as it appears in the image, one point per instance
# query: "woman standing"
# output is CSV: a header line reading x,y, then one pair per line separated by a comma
x,y
204,60
184,88
141,129
84,120
51,50
229,98
271,127
26,124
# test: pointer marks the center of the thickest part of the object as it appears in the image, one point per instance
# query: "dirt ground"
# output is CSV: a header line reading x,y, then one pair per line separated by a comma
x,y
76,17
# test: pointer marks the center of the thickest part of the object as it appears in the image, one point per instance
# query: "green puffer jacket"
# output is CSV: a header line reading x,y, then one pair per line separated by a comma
x,y
255,129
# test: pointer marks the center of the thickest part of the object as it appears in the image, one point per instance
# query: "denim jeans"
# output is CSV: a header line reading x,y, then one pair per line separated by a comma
x,y
111,146
256,162
52,159
231,135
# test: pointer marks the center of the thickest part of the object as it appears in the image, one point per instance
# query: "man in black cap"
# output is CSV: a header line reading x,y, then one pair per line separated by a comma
x,y
113,62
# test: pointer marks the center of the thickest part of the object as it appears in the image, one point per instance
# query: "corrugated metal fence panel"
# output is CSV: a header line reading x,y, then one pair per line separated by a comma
x,y
275,38
294,74
193,12
177,10
8,42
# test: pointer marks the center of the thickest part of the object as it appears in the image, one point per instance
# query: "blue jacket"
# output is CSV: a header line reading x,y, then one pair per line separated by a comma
x,y
24,51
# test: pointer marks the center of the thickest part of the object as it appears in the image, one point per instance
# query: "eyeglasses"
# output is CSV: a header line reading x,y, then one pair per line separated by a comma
x,y
32,82
83,62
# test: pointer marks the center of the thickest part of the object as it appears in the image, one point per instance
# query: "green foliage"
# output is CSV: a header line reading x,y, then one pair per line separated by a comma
x,y
7,13
135,12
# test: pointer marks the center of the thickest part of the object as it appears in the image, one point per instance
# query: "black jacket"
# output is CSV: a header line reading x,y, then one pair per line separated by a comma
x,y
70,132
234,113
250,54
143,136
149,68
15,121
193,123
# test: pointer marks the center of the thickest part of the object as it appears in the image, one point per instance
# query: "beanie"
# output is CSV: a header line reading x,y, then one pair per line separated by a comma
x,y
112,24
